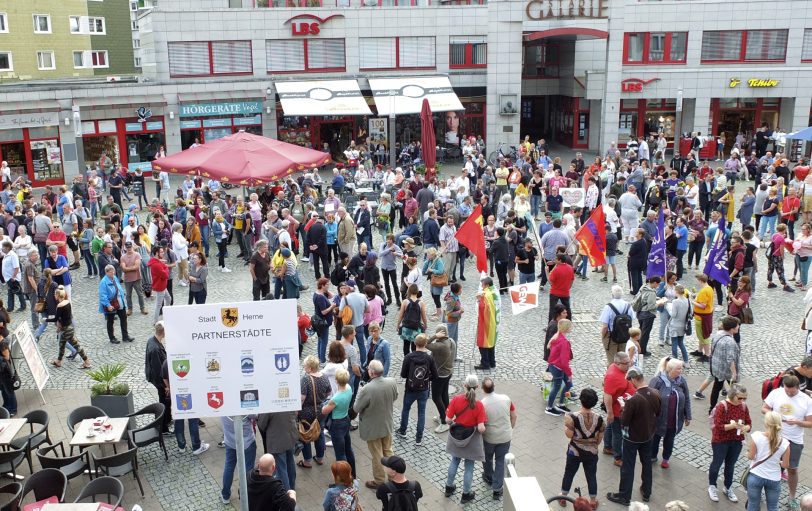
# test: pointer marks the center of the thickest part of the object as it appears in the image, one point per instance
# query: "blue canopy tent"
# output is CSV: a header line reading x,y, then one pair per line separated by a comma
x,y
804,134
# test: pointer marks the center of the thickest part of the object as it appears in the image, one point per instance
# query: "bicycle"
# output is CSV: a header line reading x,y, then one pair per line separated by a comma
x,y
564,499
495,157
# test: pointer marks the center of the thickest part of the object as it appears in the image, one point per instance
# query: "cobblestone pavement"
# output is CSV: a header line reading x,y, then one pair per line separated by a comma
x,y
773,343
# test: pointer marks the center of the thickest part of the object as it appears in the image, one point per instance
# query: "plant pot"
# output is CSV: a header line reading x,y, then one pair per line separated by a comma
x,y
115,406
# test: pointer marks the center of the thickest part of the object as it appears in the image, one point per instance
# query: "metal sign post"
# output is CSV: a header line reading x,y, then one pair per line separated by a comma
x,y
243,474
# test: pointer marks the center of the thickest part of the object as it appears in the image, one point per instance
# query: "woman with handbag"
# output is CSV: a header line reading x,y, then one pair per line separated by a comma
x,y
67,336
338,408
730,421
46,301
112,304
768,453
434,269
803,250
7,377
738,305
315,390
464,442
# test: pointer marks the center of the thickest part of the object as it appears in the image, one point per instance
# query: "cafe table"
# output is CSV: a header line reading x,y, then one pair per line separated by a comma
x,y
108,435
9,429
73,507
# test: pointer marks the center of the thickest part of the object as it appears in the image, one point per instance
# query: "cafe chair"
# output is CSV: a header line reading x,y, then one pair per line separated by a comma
x,y
11,459
79,414
104,485
118,465
46,483
4,413
10,497
72,466
150,433
36,436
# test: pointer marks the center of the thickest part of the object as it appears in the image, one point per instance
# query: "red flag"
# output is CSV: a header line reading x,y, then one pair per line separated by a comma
x,y
471,234
592,237
427,139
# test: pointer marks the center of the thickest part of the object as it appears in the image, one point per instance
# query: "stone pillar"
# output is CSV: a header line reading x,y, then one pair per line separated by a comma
x,y
595,107
702,117
172,126
800,114
610,113
504,71
269,128
786,115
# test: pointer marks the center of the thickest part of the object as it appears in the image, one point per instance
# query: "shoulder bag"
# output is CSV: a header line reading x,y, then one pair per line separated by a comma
x,y
746,471
459,432
746,315
310,432
440,280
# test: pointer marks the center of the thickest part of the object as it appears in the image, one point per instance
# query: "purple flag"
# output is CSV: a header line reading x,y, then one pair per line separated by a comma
x,y
716,266
656,256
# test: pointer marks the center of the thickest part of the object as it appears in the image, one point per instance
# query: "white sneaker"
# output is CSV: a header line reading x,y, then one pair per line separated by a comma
x,y
181,449
713,494
225,500
225,270
200,450
328,443
442,428
305,259
730,495
183,283
436,419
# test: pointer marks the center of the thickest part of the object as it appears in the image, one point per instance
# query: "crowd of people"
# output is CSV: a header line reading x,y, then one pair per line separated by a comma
x,y
393,254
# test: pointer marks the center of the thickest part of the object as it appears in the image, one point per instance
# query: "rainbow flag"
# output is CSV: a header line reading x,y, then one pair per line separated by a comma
x,y
489,304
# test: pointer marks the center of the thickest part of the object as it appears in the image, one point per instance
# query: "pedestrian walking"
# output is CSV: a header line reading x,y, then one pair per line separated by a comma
x,y
374,405
464,442
730,421
585,429
501,420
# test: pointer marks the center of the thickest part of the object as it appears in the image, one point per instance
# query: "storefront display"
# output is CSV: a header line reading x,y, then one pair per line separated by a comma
x,y
100,137
647,118
144,141
32,148
201,123
732,116
132,143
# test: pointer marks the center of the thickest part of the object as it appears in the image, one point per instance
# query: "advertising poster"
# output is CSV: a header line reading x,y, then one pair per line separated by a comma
x,y
32,355
232,359
379,132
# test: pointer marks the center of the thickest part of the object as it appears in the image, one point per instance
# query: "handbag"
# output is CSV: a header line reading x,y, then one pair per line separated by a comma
x,y
15,378
310,432
746,471
39,306
460,432
439,280
746,315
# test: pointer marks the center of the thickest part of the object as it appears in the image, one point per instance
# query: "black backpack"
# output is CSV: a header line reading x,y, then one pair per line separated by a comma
x,y
412,315
620,325
401,499
419,375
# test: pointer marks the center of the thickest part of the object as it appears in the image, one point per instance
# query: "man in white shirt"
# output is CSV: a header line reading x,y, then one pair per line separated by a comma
x,y
129,230
795,408
691,193
643,150
11,274
180,247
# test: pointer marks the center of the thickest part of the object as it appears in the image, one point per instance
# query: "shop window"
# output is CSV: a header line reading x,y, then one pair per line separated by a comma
x,y
655,48
46,157
42,23
304,55
465,52
288,3
46,61
744,46
3,23
201,58
806,49
6,63
397,53
541,61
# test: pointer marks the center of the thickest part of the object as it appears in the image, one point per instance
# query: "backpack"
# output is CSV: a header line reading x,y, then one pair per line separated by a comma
x,y
346,500
419,375
620,325
338,275
401,499
412,316
770,384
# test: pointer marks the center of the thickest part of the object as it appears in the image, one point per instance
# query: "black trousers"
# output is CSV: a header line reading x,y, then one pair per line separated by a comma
x,y
316,258
167,402
635,280
645,329
487,357
122,319
565,301
258,289
439,394
631,451
391,276
501,273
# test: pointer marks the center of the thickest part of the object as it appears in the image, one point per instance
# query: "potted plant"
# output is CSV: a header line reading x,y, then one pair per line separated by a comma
x,y
112,396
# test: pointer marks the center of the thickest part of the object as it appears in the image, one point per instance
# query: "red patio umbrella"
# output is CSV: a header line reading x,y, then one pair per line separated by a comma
x,y
427,139
242,159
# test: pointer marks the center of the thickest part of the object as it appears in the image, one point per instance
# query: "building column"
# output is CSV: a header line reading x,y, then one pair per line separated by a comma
x,y
702,117
172,126
71,145
504,72
269,128
610,113
595,107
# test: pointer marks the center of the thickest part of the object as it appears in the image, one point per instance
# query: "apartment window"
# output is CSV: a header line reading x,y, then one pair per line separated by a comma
x,y
206,58
96,26
87,25
137,61
305,55
655,48
3,23
45,60
397,53
79,60
6,63
467,52
136,43
133,6
75,24
541,61
42,23
744,46
806,50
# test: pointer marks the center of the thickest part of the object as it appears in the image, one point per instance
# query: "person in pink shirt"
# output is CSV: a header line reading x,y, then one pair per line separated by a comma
x,y
559,359
775,258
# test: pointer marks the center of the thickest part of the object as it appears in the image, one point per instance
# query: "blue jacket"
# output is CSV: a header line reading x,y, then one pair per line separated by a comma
x,y
217,230
332,232
107,291
383,354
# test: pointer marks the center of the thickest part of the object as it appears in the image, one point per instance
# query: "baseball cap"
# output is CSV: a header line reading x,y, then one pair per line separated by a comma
x,y
284,252
396,463
350,283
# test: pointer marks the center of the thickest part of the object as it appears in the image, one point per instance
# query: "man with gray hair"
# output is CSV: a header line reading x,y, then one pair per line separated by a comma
x,y
501,415
375,403
12,275
346,232
270,230
617,313
32,271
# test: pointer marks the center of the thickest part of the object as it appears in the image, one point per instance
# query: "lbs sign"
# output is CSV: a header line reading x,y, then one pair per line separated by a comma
x,y
305,28
635,84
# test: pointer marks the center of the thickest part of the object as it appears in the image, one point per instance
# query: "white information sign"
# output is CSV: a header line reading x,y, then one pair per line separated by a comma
x,y
232,359
32,355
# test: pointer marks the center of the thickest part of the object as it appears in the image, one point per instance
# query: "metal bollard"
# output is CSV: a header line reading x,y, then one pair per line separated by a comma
x,y
510,465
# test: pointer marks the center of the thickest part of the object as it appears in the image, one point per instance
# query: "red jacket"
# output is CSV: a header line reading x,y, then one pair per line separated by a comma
x,y
561,279
160,274
561,354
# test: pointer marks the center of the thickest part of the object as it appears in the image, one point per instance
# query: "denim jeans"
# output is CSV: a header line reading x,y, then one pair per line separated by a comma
x,y
194,433
493,467
286,468
361,340
665,317
90,262
307,451
804,268
231,464
324,339
19,294
9,401
767,222
631,451
535,205
409,397
613,439
772,489
453,330
204,239
590,464
679,342
559,379
727,453
467,476
524,278
340,434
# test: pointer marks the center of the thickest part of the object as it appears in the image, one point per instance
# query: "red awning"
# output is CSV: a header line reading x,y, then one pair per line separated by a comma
x,y
243,159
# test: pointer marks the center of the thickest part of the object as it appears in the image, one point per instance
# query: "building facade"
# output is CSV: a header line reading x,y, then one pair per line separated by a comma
x,y
324,72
